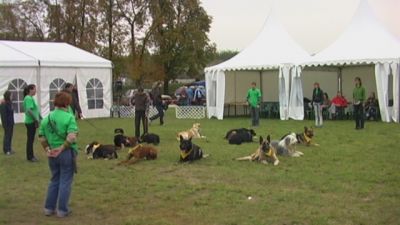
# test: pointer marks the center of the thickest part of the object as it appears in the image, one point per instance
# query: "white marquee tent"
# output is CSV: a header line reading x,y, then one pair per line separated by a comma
x,y
366,42
50,66
269,61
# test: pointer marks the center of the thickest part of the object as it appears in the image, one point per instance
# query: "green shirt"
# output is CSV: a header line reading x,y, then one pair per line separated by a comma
x,y
56,126
254,96
359,94
30,104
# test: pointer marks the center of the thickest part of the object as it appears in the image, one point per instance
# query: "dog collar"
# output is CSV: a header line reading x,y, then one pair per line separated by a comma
x,y
95,147
184,154
134,148
308,139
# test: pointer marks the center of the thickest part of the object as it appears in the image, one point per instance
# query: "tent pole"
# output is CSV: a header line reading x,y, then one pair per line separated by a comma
x,y
340,79
261,85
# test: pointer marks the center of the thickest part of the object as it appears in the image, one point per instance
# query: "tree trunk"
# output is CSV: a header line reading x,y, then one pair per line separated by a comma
x,y
166,85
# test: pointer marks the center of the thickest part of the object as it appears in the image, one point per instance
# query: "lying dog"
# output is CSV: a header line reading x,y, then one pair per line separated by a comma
x,y
264,154
287,146
305,137
238,136
121,141
193,132
96,151
140,152
189,151
150,139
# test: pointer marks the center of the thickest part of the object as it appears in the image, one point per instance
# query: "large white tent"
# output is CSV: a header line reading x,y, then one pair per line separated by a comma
x,y
269,61
366,43
50,66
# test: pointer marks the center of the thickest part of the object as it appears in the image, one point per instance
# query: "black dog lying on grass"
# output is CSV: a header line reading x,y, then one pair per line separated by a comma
x,y
238,136
121,141
189,151
150,138
98,151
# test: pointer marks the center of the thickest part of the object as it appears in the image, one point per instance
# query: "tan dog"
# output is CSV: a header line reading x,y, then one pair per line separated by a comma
x,y
140,152
193,132
264,154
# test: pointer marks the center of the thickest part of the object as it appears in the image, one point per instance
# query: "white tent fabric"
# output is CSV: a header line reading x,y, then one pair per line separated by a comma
x,y
365,41
296,103
284,74
50,66
272,49
396,92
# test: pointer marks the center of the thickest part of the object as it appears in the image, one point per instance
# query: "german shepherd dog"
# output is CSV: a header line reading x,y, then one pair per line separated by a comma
x,y
265,153
121,141
189,151
95,150
238,136
193,132
140,152
305,138
287,146
150,139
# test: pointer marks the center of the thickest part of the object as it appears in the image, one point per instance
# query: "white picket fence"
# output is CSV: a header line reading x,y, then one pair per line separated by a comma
x,y
181,112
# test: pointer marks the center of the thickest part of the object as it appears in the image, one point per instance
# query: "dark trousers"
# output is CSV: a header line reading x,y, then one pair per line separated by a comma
x,y
359,115
8,133
30,133
140,115
160,114
255,116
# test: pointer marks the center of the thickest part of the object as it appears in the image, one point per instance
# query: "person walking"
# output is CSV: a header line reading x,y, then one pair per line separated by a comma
x,y
141,111
57,135
317,100
7,121
32,117
158,103
358,103
254,100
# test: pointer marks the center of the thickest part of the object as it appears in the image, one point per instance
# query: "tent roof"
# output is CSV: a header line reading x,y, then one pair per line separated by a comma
x,y
365,41
56,54
12,57
272,47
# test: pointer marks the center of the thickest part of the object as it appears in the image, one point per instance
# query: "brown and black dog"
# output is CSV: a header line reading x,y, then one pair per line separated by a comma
x,y
96,150
305,137
265,153
140,152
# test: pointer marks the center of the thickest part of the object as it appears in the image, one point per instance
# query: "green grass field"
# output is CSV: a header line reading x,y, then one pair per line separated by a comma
x,y
352,178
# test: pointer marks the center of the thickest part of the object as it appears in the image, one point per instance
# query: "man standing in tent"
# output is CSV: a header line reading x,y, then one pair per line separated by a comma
x,y
254,100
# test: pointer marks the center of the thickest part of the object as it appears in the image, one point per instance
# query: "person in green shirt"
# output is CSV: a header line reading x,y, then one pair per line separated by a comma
x,y
254,100
32,117
57,135
358,103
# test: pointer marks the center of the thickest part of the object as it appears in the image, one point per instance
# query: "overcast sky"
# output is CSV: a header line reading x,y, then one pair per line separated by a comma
x,y
236,23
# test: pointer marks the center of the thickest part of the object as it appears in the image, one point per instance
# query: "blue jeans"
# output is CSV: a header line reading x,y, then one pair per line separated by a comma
x,y
8,134
318,114
255,116
62,173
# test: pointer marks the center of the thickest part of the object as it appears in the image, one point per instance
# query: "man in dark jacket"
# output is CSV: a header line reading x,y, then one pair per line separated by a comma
x,y
158,103
7,120
141,111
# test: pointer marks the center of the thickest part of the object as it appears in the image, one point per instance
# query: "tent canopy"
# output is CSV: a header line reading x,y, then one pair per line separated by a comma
x,y
13,57
53,54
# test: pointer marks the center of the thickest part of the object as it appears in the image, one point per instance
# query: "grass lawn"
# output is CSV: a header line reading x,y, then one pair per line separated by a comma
x,y
352,178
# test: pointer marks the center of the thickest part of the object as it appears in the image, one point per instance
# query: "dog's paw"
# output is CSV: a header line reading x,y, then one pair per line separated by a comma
x,y
300,153
206,155
316,145
276,162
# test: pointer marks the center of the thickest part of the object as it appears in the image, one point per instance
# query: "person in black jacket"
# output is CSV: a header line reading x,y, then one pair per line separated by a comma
x,y
142,102
7,121
76,108
158,103
317,100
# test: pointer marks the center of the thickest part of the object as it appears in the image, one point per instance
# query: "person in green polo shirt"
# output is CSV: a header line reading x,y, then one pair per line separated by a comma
x,y
57,134
32,117
254,100
358,103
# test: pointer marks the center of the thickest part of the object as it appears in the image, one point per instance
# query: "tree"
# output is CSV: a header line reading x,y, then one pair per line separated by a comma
x,y
180,39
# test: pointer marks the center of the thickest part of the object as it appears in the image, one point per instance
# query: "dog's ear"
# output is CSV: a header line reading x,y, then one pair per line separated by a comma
x,y
305,129
261,140
269,139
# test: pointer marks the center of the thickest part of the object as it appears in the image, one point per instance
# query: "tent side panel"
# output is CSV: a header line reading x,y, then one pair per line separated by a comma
x,y
270,86
328,82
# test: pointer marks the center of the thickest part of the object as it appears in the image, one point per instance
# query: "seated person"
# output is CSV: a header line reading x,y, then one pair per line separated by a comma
x,y
371,107
339,103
